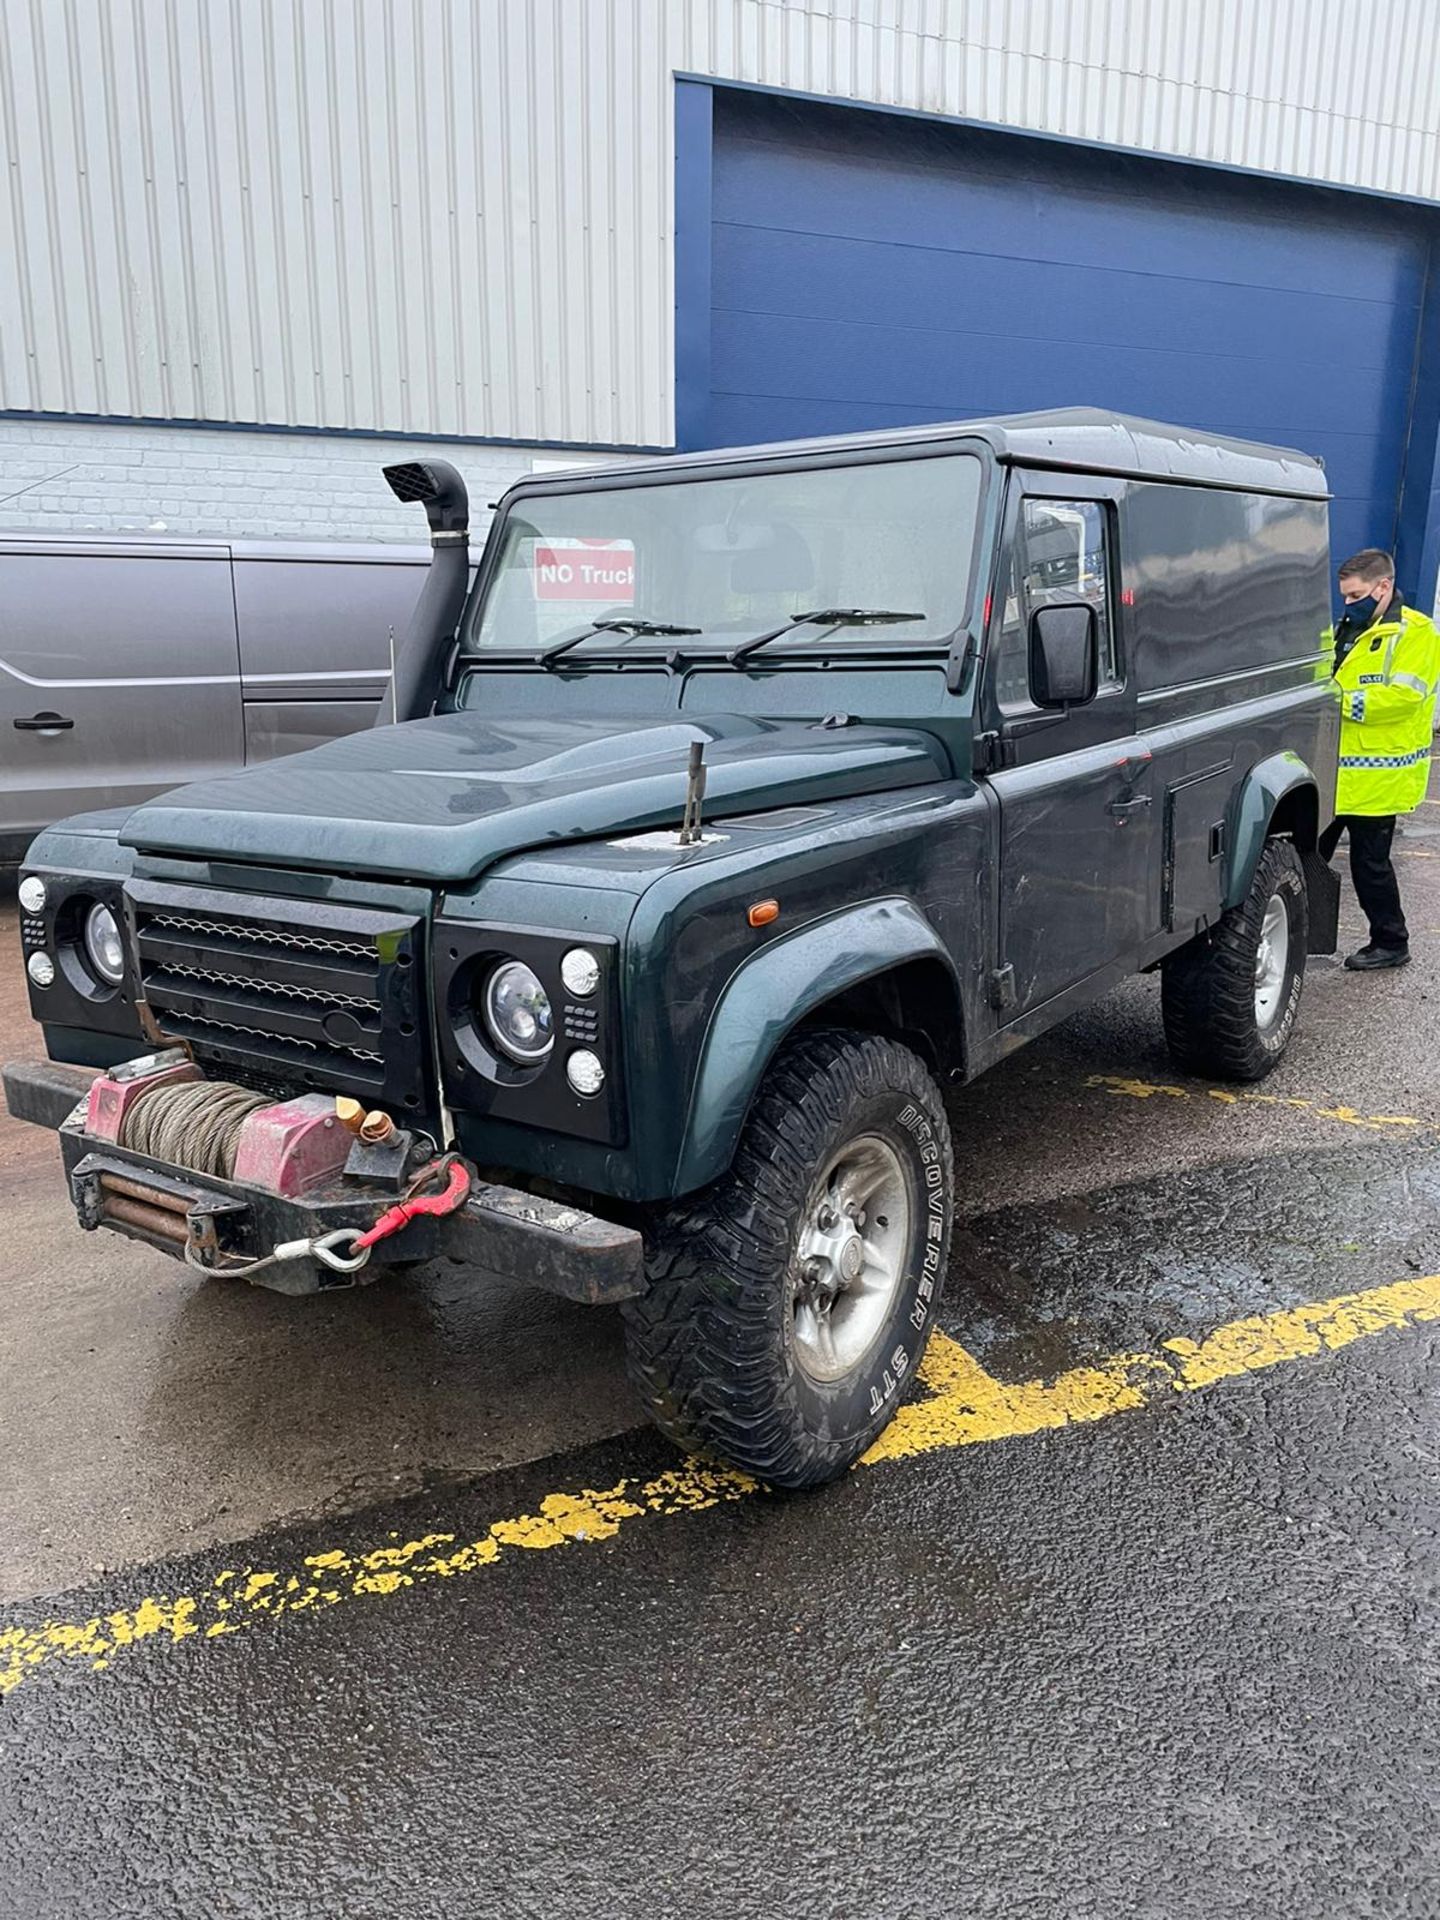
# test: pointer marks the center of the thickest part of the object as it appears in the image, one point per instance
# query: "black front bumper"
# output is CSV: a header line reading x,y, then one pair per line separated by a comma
x,y
42,1092
500,1230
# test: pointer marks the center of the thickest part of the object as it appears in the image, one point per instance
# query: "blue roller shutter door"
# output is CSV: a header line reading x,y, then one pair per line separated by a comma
x,y
870,271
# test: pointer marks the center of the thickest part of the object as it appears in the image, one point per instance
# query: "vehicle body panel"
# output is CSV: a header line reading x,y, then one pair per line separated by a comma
x,y
442,798
764,1000
139,702
167,659
318,625
1077,877
1270,781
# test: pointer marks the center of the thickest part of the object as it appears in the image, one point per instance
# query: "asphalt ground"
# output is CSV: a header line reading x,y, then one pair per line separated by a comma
x,y
383,1603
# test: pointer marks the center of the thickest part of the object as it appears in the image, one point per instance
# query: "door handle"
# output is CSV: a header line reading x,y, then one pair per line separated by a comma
x,y
1121,810
45,723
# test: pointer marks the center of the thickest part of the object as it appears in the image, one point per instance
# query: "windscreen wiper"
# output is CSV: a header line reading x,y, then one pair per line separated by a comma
x,y
822,617
615,625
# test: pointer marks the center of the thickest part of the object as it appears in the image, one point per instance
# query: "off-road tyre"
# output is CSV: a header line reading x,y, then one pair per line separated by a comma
x,y
712,1346
1208,988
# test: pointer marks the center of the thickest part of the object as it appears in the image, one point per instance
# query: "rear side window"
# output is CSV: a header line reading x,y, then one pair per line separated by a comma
x,y
1061,554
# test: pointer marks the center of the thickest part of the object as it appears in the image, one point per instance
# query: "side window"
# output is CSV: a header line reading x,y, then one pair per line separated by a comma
x,y
1061,553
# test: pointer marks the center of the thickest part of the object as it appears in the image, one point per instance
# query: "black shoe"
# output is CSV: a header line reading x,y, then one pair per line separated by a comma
x,y
1372,958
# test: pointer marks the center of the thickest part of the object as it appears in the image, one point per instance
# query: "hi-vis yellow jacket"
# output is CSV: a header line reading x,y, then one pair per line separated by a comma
x,y
1387,684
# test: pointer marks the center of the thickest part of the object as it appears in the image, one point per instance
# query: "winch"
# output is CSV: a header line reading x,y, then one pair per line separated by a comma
x,y
315,1185
238,1182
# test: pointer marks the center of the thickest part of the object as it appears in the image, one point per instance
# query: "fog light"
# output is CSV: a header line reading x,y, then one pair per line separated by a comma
x,y
32,894
580,971
41,969
104,946
584,1072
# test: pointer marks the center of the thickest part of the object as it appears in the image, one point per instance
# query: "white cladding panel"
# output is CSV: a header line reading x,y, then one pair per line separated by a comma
x,y
454,217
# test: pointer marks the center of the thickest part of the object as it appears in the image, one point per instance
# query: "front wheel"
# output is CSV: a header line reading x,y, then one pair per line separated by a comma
x,y
1231,996
789,1304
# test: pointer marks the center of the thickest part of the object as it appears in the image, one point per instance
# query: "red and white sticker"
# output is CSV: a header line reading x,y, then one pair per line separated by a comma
x,y
593,570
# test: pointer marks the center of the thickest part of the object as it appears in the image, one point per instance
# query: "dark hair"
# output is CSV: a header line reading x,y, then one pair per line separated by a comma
x,y
1370,563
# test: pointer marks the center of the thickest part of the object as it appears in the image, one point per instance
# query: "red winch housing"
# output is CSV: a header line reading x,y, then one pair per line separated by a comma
x,y
289,1148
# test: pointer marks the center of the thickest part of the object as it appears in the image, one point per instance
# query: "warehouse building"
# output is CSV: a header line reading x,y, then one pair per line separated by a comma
x,y
250,248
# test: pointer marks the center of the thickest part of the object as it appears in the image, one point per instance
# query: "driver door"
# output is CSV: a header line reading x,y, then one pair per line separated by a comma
x,y
1079,822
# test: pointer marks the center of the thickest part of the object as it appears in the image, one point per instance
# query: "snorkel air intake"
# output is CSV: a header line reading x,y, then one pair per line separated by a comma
x,y
415,681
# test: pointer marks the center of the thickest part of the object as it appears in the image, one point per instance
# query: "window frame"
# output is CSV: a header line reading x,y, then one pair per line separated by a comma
x,y
804,457
1058,490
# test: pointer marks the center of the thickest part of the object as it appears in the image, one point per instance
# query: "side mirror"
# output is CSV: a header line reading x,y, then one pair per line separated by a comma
x,y
1064,655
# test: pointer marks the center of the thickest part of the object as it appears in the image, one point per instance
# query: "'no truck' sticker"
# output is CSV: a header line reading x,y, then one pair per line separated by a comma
x,y
593,570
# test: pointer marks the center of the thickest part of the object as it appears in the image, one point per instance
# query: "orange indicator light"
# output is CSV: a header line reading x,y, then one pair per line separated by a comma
x,y
763,912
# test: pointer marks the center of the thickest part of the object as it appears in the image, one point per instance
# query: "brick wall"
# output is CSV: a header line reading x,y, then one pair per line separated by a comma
x,y
61,476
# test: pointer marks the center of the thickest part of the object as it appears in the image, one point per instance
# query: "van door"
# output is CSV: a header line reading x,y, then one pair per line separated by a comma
x,y
1078,815
119,674
318,628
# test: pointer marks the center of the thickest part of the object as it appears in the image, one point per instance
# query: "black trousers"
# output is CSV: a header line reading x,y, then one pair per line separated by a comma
x,y
1376,887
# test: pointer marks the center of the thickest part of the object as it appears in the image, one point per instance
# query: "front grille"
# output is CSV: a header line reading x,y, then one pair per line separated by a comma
x,y
289,996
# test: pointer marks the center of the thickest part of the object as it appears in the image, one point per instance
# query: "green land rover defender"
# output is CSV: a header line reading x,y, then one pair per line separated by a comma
x,y
745,807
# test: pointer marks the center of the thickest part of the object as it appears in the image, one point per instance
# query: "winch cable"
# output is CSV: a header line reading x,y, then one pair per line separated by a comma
x,y
195,1125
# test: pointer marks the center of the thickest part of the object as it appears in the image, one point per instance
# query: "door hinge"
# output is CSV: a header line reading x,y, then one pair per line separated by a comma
x,y
991,751
1002,988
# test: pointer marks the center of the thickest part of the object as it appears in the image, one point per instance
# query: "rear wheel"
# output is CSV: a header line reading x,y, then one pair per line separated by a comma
x,y
1230,998
789,1304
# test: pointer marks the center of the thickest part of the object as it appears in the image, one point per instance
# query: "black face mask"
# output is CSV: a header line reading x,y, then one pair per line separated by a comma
x,y
1359,613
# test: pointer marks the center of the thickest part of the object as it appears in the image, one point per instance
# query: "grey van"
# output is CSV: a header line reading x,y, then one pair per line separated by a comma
x,y
746,801
135,664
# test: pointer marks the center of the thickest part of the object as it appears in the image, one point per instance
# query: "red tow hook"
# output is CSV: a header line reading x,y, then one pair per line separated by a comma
x,y
450,1198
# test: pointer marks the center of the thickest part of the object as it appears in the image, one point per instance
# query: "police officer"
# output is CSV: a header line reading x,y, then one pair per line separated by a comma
x,y
1387,663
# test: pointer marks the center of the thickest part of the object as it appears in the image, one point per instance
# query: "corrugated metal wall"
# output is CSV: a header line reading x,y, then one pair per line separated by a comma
x,y
454,216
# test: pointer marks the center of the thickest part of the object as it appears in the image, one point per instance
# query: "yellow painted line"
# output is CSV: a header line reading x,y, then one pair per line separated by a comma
x,y
1126,1087
964,1406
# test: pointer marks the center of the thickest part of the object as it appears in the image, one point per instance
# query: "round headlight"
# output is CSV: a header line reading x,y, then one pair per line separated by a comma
x,y
518,1014
584,1072
103,945
580,971
41,969
32,894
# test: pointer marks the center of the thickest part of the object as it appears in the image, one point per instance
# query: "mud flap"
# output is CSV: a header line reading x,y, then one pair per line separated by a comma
x,y
1322,884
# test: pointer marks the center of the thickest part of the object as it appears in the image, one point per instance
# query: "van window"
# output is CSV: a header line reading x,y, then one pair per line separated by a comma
x,y
1061,553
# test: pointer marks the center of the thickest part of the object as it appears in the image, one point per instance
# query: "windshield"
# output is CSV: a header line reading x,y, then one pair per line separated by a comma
x,y
731,559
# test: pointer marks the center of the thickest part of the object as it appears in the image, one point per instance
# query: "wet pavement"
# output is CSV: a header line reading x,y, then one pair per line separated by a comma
x,y
1145,1624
